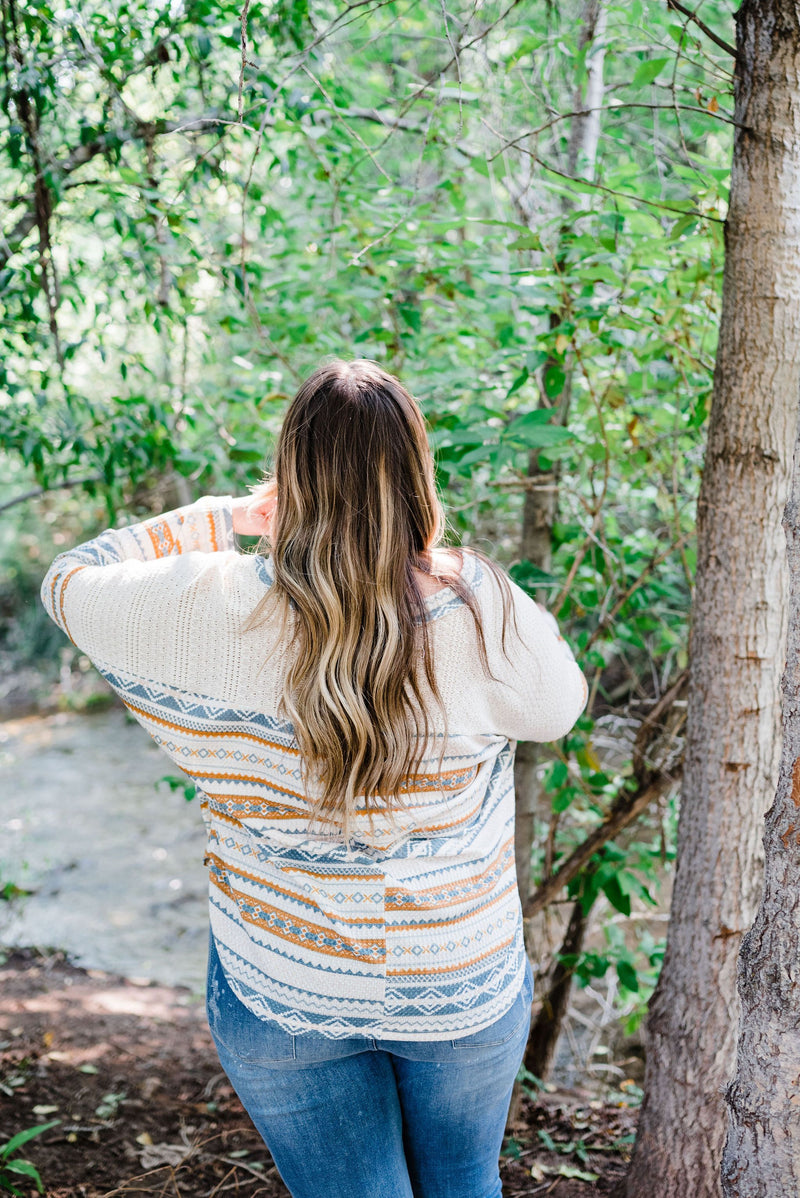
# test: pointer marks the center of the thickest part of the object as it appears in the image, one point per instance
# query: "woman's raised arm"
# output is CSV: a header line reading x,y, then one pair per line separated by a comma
x,y
107,574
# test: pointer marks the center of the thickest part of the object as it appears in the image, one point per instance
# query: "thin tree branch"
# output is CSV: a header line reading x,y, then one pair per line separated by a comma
x,y
654,561
627,807
623,195
609,110
644,735
35,492
716,39
239,101
85,153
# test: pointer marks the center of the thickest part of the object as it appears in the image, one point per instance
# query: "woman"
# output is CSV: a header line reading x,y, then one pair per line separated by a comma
x,y
348,701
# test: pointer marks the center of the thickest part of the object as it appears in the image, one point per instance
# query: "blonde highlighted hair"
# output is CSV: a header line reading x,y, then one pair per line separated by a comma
x,y
357,513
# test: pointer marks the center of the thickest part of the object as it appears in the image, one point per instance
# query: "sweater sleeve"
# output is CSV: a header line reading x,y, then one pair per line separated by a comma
x,y
539,690
99,589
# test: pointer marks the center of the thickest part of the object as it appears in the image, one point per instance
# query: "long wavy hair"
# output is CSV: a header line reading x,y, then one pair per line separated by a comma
x,y
357,513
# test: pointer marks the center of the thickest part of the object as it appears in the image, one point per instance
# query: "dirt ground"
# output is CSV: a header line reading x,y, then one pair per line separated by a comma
x,y
130,1072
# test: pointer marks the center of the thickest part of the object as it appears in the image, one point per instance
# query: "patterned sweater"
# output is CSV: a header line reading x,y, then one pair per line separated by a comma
x,y
412,930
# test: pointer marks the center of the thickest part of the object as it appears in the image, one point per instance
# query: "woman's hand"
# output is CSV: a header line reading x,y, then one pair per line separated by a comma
x,y
253,513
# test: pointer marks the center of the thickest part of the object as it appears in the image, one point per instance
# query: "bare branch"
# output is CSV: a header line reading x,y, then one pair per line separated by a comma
x,y
244,60
627,807
716,39
623,195
35,492
610,109
654,561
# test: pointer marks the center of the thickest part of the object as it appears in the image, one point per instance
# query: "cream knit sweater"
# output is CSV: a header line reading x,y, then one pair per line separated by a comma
x,y
413,930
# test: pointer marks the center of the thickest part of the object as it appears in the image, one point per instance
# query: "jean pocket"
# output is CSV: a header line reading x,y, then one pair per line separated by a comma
x,y
253,1041
236,1030
507,1026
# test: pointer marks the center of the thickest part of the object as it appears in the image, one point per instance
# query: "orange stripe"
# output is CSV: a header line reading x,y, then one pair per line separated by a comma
x,y
212,530
425,970
225,798
339,876
259,740
195,732
453,823
243,873
288,811
412,909
433,892
453,780
198,732
53,586
468,914
278,814
61,600
292,938
227,777
159,548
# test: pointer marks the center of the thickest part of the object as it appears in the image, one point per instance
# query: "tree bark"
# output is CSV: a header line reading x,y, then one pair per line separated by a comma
x,y
738,627
539,509
543,1037
761,1157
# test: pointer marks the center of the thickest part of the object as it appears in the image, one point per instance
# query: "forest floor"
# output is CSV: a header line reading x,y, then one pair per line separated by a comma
x,y
130,1072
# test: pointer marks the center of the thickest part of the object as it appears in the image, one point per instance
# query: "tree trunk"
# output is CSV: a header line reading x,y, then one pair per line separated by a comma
x,y
739,626
762,1151
539,509
543,1037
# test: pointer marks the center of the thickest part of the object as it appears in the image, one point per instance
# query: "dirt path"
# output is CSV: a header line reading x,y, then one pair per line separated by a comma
x,y
131,1073
118,1051
114,861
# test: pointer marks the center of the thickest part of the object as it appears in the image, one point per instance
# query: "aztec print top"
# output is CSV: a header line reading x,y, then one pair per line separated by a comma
x,y
411,931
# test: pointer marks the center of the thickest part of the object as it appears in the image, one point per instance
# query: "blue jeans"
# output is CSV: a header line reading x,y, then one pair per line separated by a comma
x,y
366,1118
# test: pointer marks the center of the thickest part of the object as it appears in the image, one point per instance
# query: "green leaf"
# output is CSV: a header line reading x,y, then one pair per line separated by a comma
x,y
532,432
529,241
579,1174
557,775
25,1169
247,453
647,71
528,576
627,976
554,379
616,895
519,381
411,316
563,799
683,224
22,1137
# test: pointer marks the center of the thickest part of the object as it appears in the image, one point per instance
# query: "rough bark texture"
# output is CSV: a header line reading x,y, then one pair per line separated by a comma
x,y
762,1151
526,796
739,627
542,1042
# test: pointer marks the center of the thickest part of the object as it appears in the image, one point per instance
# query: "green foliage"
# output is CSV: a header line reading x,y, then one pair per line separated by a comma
x,y
10,891
182,783
392,182
14,1171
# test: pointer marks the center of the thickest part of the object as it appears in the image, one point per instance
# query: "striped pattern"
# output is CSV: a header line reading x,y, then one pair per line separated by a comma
x,y
411,931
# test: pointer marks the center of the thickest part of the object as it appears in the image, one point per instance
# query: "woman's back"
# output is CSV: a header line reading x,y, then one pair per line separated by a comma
x,y
411,929
350,725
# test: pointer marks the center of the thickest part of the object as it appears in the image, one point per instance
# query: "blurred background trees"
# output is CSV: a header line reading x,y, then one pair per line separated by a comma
x,y
517,208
